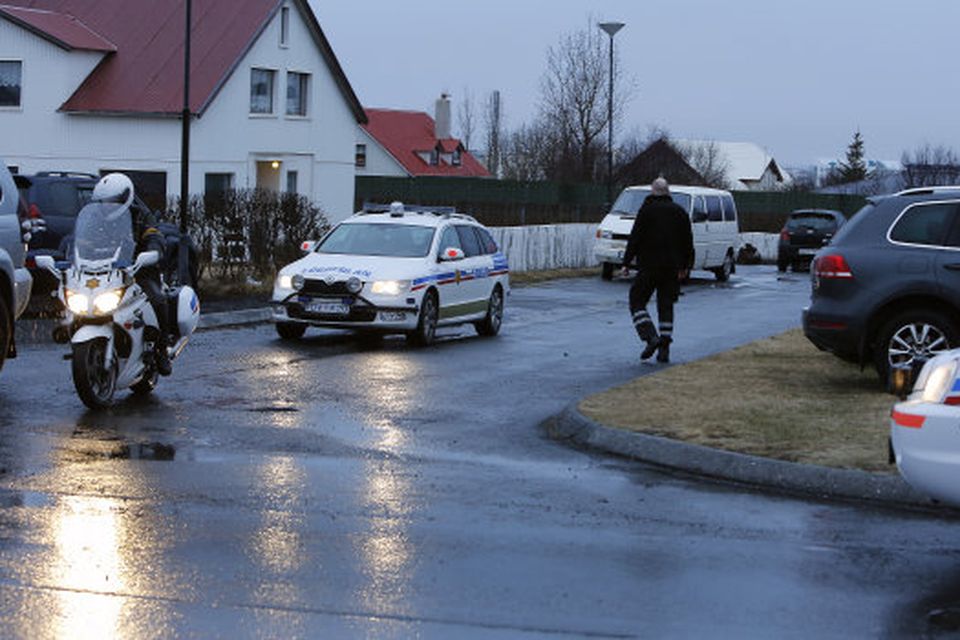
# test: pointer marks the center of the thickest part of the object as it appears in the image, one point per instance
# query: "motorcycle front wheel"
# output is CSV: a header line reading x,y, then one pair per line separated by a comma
x,y
94,381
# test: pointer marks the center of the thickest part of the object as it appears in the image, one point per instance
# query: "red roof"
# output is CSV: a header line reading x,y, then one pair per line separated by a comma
x,y
407,134
64,31
145,73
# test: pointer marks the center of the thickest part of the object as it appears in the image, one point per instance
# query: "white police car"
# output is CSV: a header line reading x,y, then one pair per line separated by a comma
x,y
399,271
925,430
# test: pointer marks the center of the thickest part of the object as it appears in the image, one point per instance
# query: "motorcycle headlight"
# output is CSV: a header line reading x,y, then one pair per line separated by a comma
x,y
78,303
389,287
108,301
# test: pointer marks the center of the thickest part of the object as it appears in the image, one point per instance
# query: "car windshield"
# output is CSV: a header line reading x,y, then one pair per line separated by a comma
x,y
372,239
630,200
104,231
815,221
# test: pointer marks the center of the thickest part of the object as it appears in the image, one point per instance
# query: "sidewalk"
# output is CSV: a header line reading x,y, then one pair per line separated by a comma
x,y
776,475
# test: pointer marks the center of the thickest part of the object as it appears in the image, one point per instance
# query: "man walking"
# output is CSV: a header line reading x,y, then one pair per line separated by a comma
x,y
662,241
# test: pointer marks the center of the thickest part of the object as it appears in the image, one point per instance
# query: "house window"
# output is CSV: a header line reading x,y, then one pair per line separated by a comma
x,y
291,181
297,93
217,183
261,90
10,78
361,156
455,158
284,26
435,157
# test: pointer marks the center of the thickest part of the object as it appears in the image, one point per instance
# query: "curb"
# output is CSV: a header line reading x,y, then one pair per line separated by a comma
x,y
40,331
765,473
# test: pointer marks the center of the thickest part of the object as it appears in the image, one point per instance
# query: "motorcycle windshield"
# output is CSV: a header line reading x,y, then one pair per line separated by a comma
x,y
104,231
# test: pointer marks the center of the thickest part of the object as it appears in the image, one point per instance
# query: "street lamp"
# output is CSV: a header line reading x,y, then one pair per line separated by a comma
x,y
611,29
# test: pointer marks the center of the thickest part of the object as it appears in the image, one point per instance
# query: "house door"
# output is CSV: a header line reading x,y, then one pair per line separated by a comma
x,y
268,174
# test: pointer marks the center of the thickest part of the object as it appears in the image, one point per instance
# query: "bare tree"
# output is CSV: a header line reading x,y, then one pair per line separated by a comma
x,y
466,118
706,159
529,153
573,99
930,166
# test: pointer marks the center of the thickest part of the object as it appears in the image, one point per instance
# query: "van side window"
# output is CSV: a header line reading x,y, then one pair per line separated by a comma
x,y
729,209
699,209
714,212
924,224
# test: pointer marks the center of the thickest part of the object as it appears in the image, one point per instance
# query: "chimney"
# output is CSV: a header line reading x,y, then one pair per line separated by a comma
x,y
441,123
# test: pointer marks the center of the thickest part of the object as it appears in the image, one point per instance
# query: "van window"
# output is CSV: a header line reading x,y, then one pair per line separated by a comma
x,y
714,213
629,201
924,224
729,209
699,209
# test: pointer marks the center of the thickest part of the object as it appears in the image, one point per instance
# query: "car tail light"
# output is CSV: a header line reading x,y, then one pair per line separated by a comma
x,y
832,267
34,212
784,235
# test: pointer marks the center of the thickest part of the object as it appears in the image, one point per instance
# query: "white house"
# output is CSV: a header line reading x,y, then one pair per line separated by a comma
x,y
98,86
747,166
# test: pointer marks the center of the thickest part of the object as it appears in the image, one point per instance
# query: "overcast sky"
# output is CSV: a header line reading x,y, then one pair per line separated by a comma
x,y
796,77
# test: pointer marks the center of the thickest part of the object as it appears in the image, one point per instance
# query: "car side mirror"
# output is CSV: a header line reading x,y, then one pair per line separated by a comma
x,y
307,246
451,254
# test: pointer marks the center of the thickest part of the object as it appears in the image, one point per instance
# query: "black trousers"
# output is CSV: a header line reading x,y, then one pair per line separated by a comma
x,y
664,281
149,281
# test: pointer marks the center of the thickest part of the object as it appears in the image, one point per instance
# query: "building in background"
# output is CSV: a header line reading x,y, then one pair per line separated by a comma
x,y
410,143
97,86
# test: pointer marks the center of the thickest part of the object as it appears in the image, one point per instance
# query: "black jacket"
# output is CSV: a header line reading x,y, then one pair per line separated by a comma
x,y
661,236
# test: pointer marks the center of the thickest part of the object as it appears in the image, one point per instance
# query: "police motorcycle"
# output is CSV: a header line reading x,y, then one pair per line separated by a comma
x,y
108,320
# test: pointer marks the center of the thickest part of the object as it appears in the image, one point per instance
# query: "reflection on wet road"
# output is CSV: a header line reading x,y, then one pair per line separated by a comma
x,y
341,487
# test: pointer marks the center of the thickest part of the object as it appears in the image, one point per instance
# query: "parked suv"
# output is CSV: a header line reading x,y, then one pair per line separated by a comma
x,y
53,200
806,231
15,280
887,288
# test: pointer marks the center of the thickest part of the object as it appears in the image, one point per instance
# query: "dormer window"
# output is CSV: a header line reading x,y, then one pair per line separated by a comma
x,y
435,157
455,158
11,72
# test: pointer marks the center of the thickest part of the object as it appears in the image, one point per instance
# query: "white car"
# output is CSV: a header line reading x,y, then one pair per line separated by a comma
x,y
401,271
713,221
925,430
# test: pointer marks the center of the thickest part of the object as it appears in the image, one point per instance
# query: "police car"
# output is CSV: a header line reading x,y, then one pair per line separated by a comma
x,y
925,430
403,270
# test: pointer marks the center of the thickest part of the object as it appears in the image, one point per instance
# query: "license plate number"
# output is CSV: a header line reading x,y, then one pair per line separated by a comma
x,y
328,308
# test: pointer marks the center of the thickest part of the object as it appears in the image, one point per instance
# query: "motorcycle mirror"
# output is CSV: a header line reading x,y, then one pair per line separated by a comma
x,y
146,259
48,263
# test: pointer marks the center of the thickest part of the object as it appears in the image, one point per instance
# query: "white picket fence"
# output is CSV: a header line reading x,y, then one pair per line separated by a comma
x,y
556,246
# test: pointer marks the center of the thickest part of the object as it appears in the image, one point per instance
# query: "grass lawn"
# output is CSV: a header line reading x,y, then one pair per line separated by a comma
x,y
521,278
779,397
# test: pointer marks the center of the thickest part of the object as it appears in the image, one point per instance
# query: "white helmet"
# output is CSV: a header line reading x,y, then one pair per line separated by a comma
x,y
114,187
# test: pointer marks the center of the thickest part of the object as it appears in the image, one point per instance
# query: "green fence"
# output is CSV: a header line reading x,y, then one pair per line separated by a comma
x,y
509,202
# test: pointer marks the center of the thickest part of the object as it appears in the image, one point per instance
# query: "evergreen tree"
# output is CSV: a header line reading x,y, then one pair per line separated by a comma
x,y
854,169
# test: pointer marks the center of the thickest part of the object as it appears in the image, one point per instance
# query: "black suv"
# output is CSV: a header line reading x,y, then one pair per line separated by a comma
x,y
53,200
806,231
887,288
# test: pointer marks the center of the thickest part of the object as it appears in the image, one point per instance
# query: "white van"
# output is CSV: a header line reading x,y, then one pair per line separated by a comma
x,y
713,217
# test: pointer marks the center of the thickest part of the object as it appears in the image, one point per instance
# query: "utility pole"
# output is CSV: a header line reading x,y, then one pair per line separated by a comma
x,y
611,29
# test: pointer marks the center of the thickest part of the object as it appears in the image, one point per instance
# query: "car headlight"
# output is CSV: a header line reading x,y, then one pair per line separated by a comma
x,y
390,287
285,281
108,301
78,303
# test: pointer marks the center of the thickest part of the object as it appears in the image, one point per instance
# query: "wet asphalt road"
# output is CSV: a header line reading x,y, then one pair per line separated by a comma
x,y
336,487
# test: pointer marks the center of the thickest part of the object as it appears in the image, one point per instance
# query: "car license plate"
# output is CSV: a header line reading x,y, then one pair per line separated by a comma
x,y
806,252
328,308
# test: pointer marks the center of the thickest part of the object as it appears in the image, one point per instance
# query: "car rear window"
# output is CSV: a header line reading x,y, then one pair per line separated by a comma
x,y
817,222
486,240
57,198
925,224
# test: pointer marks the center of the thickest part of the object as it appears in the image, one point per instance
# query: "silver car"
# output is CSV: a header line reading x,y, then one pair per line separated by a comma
x,y
15,280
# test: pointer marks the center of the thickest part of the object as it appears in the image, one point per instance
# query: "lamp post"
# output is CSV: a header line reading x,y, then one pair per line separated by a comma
x,y
182,258
611,29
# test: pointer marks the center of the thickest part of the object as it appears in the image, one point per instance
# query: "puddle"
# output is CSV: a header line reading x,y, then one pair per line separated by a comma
x,y
114,449
273,409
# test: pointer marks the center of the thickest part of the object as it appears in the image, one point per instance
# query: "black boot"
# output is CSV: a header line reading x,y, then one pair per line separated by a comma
x,y
162,357
663,354
649,335
652,346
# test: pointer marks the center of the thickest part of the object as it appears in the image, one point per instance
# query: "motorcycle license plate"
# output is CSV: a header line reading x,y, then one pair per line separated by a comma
x,y
328,308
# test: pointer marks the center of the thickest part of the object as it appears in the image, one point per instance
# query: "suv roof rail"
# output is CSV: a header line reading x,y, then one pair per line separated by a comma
x,y
65,174
399,207
919,191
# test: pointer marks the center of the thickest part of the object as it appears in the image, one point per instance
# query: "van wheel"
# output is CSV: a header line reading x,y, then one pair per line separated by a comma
x,y
723,271
913,336
606,271
6,331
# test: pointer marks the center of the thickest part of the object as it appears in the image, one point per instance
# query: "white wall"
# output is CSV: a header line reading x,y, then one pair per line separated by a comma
x,y
379,162
226,139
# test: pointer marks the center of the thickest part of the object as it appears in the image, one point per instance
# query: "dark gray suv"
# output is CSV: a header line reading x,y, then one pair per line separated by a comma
x,y
887,288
